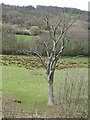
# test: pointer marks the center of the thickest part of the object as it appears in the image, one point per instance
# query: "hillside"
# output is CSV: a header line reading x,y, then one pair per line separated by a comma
x,y
17,14
19,20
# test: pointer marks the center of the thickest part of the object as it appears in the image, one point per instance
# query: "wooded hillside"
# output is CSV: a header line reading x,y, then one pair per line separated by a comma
x,y
28,20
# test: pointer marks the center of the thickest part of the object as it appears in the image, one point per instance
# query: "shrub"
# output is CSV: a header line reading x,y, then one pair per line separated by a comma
x,y
35,30
72,93
8,43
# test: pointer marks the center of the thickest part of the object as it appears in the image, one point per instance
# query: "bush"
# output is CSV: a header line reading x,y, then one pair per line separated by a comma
x,y
35,30
72,93
74,48
9,44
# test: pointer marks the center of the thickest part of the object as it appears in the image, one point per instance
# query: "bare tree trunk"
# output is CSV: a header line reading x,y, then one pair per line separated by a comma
x,y
50,89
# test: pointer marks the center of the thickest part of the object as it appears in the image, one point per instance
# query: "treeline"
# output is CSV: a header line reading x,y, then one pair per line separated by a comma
x,y
10,45
29,16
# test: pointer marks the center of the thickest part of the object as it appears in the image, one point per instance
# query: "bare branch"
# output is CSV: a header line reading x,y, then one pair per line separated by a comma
x,y
56,27
42,61
69,26
52,30
49,27
46,49
35,53
65,29
61,50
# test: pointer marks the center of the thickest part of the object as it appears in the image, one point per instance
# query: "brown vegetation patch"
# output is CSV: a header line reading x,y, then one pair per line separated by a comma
x,y
29,63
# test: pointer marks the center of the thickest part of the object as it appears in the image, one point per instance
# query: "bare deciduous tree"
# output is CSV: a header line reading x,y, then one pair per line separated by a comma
x,y
63,25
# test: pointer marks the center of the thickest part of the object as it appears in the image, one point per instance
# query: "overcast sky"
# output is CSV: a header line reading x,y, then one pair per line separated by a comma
x,y
80,4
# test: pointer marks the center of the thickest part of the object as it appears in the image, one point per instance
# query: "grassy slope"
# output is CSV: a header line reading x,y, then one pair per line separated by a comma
x,y
26,86
30,87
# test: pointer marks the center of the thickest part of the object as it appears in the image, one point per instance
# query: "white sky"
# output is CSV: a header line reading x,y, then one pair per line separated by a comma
x,y
80,4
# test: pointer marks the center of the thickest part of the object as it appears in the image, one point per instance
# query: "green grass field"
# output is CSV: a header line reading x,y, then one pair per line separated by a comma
x,y
25,37
31,88
26,86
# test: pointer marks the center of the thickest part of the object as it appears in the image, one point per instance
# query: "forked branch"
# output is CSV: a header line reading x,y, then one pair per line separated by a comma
x,y
35,53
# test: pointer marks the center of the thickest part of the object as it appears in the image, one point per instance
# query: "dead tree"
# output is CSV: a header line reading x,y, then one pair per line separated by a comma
x,y
63,25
